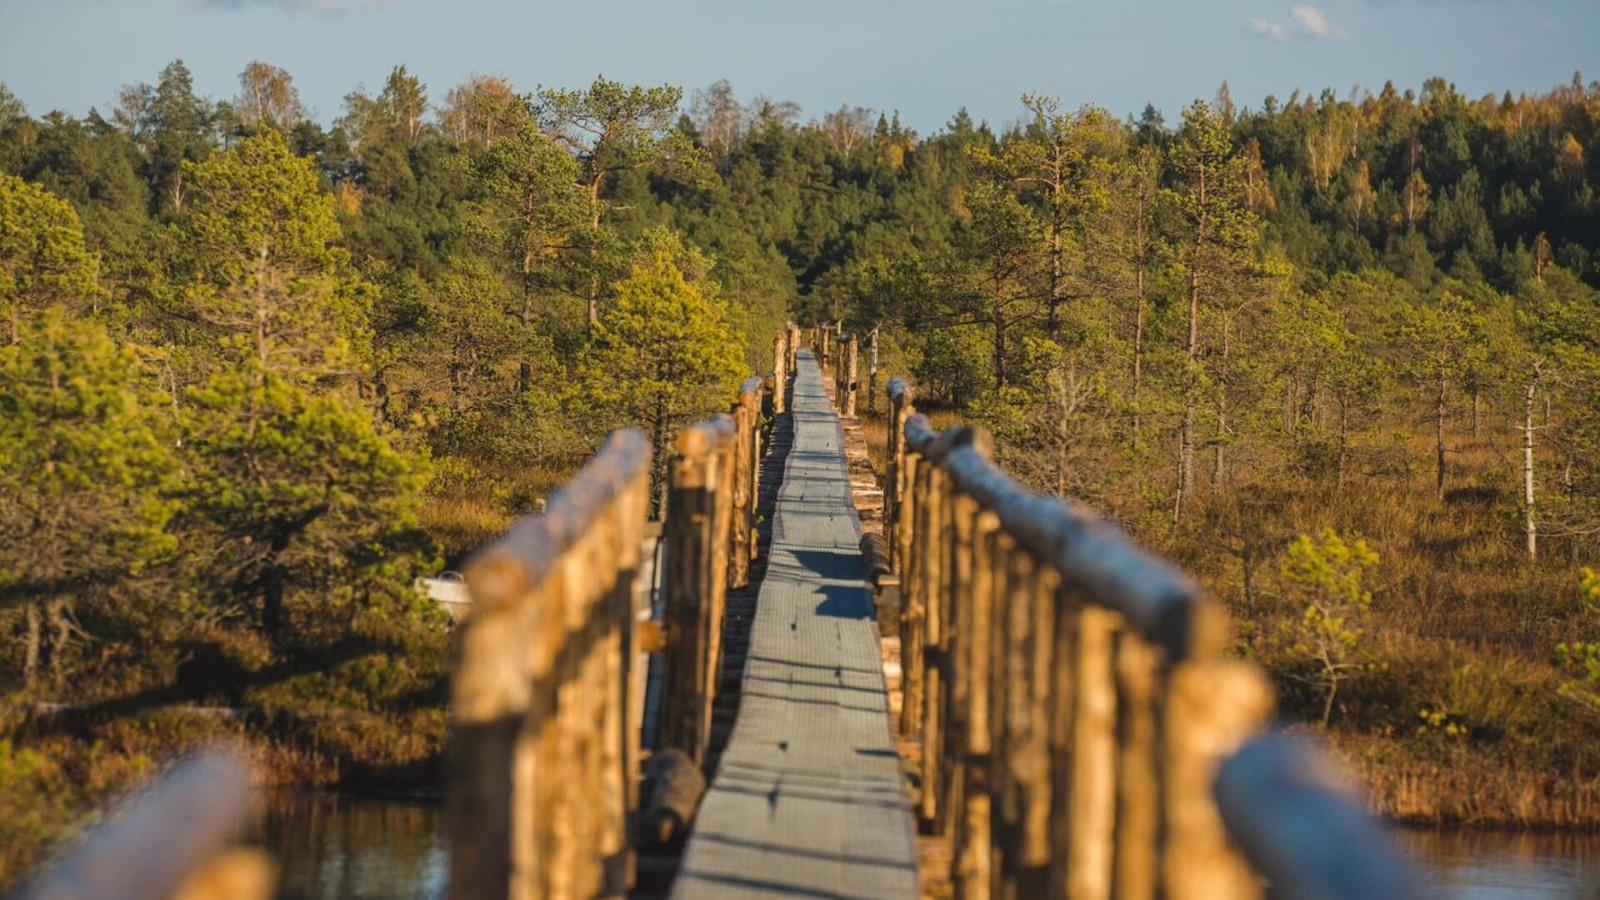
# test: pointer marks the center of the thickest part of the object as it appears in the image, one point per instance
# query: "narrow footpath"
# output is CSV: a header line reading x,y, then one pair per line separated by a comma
x,y
808,798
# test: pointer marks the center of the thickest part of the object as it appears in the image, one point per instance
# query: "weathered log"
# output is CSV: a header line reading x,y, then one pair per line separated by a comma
x,y
1297,822
678,785
875,554
171,839
1212,708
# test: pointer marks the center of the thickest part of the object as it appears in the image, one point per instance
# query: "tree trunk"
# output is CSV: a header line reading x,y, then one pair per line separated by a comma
x,y
594,256
1438,434
525,366
1475,404
999,343
35,640
1186,434
60,636
272,590
1138,332
1531,526
658,460
872,375
1220,462
1054,325
1344,440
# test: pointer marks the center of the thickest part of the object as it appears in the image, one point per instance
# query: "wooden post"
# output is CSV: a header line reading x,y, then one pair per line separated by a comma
x,y
972,858
900,409
1138,788
916,546
936,592
849,366
1015,613
780,372
872,373
542,766
699,516
742,481
1046,674
1090,760
1211,708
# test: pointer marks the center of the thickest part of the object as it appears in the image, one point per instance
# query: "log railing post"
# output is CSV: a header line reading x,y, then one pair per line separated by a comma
x,y
745,472
543,754
848,364
699,508
900,409
780,372
872,371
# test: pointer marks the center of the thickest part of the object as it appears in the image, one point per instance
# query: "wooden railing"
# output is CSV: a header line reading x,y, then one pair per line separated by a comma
x,y
547,708
174,839
544,756
1074,705
711,539
838,353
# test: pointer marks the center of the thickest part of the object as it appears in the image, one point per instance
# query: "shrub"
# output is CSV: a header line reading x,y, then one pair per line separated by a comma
x,y
1327,577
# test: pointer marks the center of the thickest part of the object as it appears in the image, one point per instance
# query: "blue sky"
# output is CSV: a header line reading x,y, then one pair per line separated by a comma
x,y
925,59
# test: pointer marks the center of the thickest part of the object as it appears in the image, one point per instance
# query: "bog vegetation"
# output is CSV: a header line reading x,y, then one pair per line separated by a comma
x,y
1338,356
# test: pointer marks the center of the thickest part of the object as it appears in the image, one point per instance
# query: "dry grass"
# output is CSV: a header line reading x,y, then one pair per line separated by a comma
x,y
472,502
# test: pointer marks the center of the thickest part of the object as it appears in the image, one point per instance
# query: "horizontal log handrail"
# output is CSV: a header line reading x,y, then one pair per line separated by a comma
x,y
1074,704
172,839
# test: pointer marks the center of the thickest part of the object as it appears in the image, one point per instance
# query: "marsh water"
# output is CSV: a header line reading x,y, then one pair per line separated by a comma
x,y
1491,865
340,846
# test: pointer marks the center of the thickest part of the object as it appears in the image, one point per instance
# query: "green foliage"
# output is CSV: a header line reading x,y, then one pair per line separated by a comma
x,y
43,261
662,353
1327,578
261,264
84,475
1583,657
309,514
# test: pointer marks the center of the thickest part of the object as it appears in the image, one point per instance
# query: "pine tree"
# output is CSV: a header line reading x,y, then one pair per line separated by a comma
x,y
662,353
43,261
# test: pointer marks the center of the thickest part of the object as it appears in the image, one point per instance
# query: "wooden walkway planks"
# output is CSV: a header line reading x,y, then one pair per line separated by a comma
x,y
808,798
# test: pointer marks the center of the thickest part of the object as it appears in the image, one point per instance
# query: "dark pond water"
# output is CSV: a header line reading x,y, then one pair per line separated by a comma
x,y
338,846
1491,865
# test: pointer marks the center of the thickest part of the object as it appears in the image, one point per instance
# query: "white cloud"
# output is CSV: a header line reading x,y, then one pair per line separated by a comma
x,y
1304,22
1314,23
1273,31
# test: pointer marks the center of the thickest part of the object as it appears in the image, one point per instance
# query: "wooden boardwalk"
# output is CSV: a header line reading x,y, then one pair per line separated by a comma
x,y
808,797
